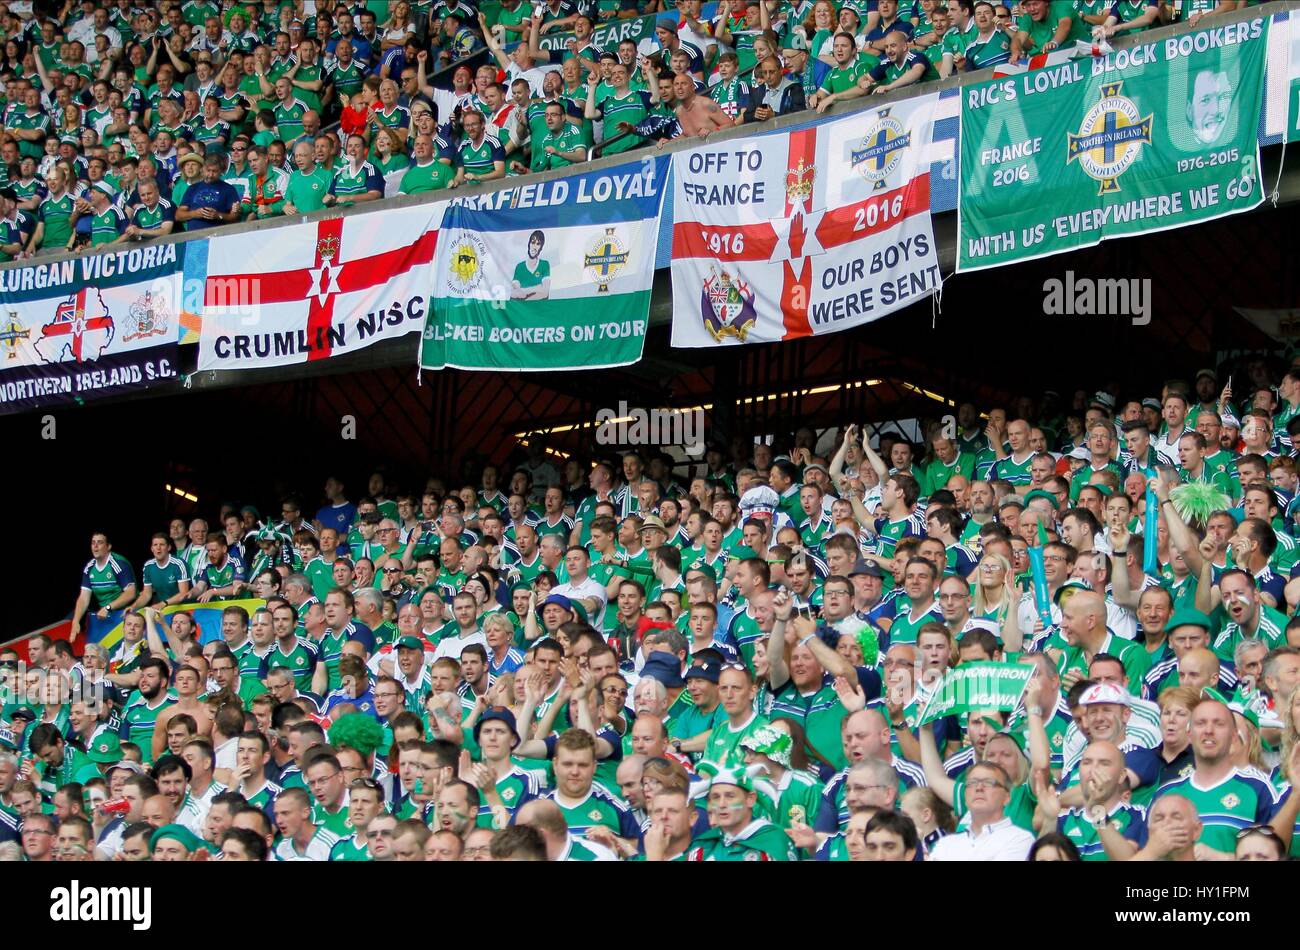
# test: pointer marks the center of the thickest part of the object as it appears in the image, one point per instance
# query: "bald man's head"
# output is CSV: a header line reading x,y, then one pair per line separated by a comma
x,y
1198,668
1083,618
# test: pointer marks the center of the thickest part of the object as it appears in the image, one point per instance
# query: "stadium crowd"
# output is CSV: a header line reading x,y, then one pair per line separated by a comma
x,y
622,657
126,121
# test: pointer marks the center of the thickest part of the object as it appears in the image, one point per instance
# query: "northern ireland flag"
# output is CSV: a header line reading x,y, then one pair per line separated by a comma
x,y
806,232
317,289
82,329
1080,50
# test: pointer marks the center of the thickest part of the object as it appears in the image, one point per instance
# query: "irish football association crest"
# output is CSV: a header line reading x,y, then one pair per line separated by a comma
x,y
881,149
727,306
605,258
1110,138
12,332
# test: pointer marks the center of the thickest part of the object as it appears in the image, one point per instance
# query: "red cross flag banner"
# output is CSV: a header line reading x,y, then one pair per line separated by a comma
x,y
89,327
805,232
319,289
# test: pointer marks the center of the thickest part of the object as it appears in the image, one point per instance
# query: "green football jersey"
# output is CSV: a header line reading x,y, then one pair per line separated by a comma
x,y
350,848
21,119
1243,798
1042,32
820,713
301,660
138,722
321,575
1125,818
1270,627
516,788
57,215
842,78
1013,471
336,822
347,79
907,622
307,192
760,841
723,745
797,798
165,579
423,178
288,118
107,227
744,632
106,583
568,139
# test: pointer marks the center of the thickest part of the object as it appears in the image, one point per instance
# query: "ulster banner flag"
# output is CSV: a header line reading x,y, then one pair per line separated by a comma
x,y
318,289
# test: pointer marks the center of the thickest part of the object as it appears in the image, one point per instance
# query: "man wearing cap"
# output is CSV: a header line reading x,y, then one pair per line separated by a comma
x,y
801,67
410,671
1226,796
785,796
1207,390
1104,711
735,834
175,842
689,732
496,736
804,691
1186,630
108,223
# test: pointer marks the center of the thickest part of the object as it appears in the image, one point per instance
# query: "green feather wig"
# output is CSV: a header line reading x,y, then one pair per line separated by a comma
x,y
1196,501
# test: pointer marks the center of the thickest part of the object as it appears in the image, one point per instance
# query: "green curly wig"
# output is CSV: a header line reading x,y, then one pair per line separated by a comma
x,y
357,731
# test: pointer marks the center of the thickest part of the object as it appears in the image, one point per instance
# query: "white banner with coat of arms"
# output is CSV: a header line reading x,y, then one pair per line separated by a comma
x,y
90,327
805,232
